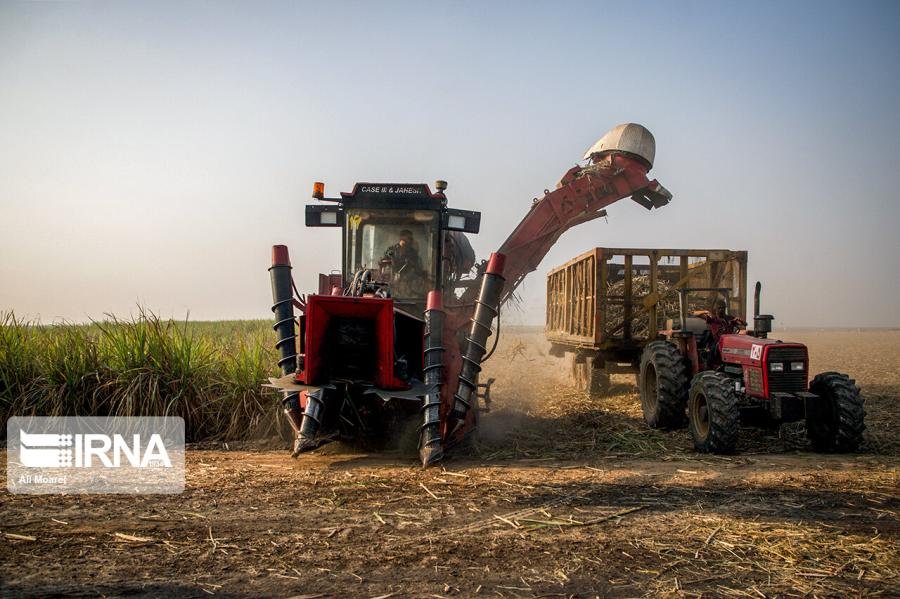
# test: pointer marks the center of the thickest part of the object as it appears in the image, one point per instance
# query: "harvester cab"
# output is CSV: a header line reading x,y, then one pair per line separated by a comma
x,y
714,375
398,337
399,240
360,346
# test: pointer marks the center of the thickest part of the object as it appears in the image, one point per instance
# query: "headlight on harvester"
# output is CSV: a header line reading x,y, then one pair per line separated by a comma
x,y
776,367
796,366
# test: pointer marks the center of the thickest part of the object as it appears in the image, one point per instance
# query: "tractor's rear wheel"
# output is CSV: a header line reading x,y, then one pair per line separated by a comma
x,y
839,426
663,384
714,415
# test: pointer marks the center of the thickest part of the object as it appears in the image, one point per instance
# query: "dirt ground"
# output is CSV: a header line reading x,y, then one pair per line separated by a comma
x,y
561,495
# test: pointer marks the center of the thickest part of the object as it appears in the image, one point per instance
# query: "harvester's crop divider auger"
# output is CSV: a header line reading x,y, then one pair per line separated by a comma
x,y
286,333
430,449
486,307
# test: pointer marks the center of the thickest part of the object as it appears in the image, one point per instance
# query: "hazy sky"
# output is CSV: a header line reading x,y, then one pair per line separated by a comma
x,y
153,152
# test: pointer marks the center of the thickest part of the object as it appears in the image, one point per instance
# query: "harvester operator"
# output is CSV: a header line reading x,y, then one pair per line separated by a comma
x,y
406,268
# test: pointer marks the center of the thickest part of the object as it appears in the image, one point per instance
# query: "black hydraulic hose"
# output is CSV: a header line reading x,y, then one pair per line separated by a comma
x,y
294,287
496,339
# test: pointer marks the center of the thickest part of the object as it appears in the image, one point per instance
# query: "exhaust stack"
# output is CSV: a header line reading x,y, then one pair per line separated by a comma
x,y
762,323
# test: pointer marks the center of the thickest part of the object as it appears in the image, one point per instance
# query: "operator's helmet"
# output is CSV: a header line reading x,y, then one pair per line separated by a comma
x,y
628,138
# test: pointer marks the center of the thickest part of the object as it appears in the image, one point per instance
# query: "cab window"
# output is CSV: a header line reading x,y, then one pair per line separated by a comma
x,y
397,246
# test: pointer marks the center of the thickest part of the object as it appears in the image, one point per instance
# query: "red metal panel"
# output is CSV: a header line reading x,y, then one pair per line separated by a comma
x,y
329,282
319,312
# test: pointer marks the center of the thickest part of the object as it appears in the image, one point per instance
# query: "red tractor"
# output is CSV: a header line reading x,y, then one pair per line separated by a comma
x,y
709,371
400,334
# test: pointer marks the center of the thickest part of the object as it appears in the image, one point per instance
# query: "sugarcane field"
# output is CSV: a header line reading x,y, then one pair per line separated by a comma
x,y
558,495
414,300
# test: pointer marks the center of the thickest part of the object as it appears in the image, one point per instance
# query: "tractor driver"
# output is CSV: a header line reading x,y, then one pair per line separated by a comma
x,y
722,323
406,268
719,322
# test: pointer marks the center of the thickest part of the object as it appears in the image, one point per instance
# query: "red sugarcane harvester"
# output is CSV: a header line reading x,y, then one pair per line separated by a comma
x,y
401,332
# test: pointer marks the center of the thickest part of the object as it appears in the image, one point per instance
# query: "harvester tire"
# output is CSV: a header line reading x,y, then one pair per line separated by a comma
x,y
840,428
714,415
663,385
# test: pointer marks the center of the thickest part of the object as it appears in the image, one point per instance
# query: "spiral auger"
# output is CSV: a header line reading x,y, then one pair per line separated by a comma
x,y
286,333
486,308
430,446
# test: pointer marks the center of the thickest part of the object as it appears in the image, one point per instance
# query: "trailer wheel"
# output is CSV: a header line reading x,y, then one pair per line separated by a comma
x,y
714,417
579,374
598,382
593,381
839,426
663,385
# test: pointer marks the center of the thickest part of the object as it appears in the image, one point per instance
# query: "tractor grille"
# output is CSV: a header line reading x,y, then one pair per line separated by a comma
x,y
787,354
788,381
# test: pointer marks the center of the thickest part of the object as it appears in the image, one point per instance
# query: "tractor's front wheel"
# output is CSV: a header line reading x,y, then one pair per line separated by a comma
x,y
838,427
714,416
663,384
